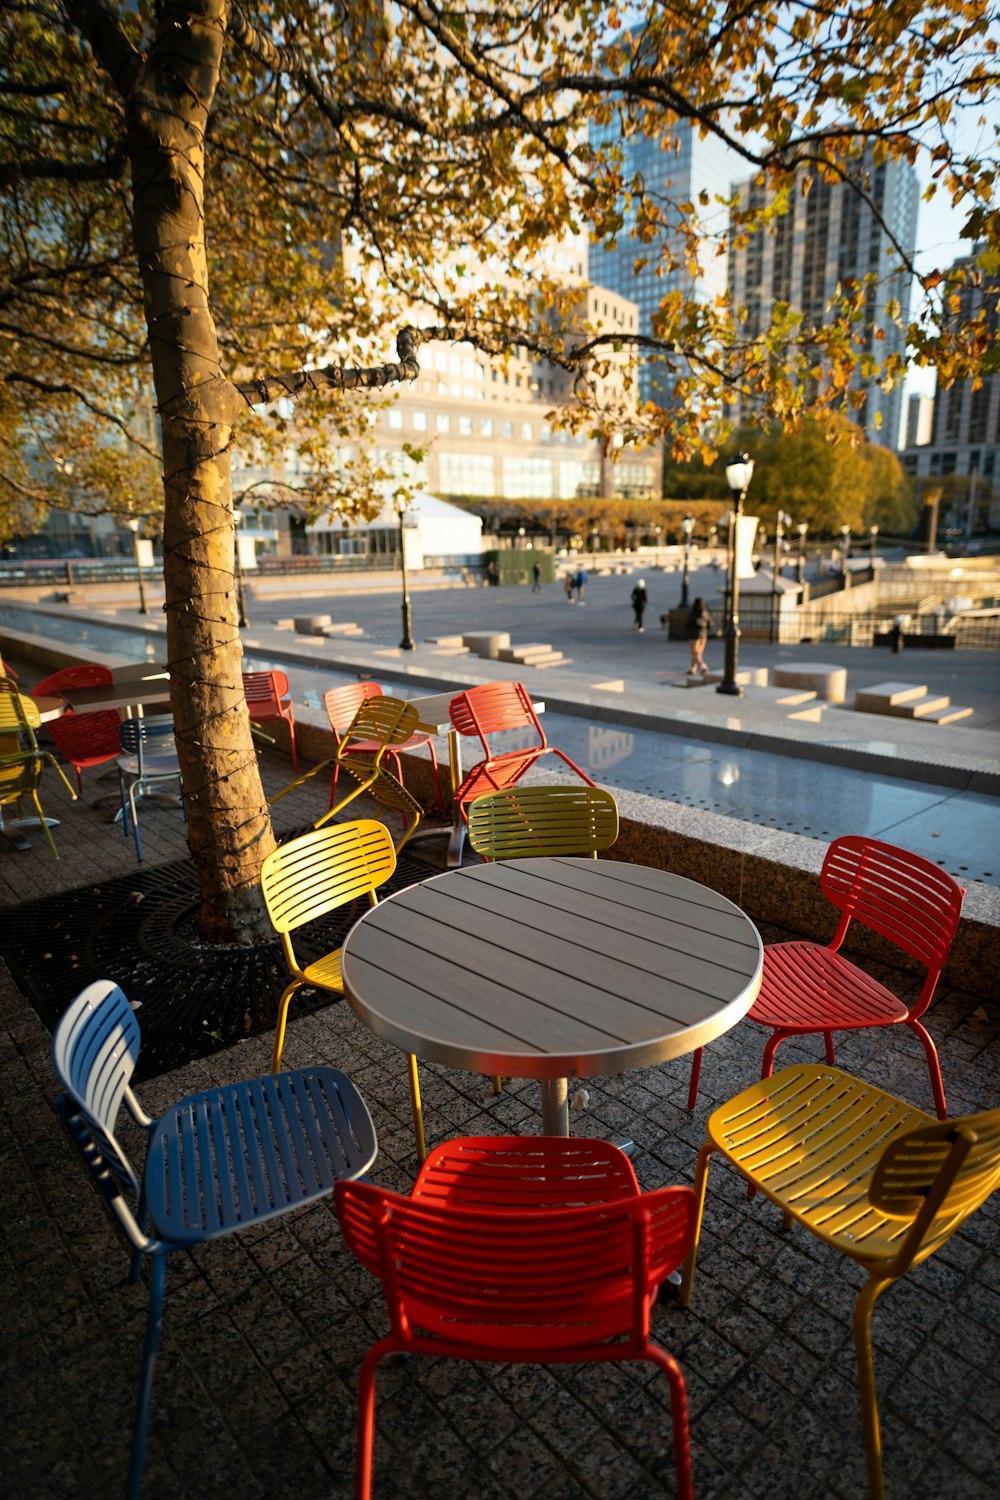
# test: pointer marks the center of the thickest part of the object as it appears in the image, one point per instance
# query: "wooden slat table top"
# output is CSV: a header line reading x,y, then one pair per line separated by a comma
x,y
551,968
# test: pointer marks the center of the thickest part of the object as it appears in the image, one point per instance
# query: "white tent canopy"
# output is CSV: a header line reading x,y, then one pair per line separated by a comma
x,y
435,530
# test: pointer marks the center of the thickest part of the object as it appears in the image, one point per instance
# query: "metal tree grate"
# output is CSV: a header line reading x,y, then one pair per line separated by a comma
x,y
141,932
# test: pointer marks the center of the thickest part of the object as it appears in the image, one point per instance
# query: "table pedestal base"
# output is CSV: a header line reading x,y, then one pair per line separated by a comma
x,y
555,1111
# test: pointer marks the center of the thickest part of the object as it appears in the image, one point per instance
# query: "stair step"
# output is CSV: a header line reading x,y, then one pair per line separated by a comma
x,y
946,715
451,651
446,640
555,660
793,700
346,629
886,695
525,654
812,715
919,708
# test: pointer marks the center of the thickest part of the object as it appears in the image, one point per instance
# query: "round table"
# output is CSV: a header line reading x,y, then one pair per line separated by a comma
x,y
552,969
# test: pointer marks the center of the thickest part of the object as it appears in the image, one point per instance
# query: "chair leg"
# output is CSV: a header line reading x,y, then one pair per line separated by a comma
x,y
417,1108
409,831
44,824
828,1039
279,1025
866,1385
157,1288
934,1066
678,1417
700,1184
293,747
497,1084
366,1417
695,1076
135,821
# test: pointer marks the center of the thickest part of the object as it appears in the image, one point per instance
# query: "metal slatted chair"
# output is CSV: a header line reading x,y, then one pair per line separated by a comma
x,y
865,1173
497,708
310,877
525,821
87,674
342,704
218,1161
537,1251
387,723
21,761
148,764
266,695
808,987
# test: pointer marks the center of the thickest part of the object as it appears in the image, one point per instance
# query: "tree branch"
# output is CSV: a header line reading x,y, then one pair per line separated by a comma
x,y
102,31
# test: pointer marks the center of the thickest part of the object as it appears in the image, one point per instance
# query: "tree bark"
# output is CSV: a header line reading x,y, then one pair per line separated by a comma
x,y
229,830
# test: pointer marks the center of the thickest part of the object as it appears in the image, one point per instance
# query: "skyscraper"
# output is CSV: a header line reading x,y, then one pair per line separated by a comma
x,y
672,172
828,237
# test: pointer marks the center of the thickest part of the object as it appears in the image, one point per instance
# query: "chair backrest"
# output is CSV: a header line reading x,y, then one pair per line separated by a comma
x,y
19,773
389,721
95,1047
899,895
522,821
342,703
265,687
320,871
18,715
533,1281
491,708
938,1174
88,674
77,737
151,735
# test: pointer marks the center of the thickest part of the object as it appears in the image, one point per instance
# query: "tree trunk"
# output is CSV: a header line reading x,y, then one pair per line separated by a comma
x,y
229,828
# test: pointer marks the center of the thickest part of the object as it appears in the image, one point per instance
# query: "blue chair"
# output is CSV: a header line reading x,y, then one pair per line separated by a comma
x,y
218,1161
148,763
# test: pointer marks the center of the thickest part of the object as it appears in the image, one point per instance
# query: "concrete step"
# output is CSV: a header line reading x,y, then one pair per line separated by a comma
x,y
344,629
811,715
450,651
919,708
793,700
885,696
529,655
446,640
947,715
556,659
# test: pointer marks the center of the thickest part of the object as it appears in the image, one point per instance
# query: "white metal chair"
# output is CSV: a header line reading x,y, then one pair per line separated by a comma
x,y
149,764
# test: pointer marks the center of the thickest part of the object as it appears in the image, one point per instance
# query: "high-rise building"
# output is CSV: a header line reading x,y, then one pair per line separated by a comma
x,y
672,173
919,421
829,236
964,439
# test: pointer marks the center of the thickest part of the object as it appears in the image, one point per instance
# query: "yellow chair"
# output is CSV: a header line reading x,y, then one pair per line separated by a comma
x,y
382,723
21,761
878,1180
522,821
310,877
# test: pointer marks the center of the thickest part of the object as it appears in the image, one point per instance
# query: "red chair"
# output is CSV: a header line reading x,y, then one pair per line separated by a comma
x,y
520,1250
493,708
807,987
82,739
342,704
88,674
265,695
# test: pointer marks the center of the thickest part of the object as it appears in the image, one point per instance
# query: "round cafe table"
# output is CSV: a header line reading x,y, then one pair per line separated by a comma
x,y
552,969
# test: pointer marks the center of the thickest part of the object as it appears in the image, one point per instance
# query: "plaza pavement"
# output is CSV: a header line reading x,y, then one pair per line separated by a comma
x,y
263,1333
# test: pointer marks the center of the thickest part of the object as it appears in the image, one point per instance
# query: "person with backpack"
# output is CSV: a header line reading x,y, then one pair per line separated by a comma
x,y
699,623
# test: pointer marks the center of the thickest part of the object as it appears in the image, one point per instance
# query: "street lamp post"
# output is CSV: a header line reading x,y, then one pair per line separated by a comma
x,y
781,521
687,526
241,602
656,553
738,476
406,644
845,552
800,572
872,537
133,526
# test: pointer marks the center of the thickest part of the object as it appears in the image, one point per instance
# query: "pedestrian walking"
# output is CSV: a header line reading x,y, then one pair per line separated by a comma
x,y
639,601
699,623
569,584
536,576
580,583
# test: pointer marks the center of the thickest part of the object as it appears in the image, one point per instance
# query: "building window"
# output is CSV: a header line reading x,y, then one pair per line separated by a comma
x,y
420,421
527,479
395,417
466,473
507,430
486,427
443,422
527,432
465,426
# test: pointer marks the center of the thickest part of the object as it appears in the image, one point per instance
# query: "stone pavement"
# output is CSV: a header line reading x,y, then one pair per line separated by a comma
x,y
264,1332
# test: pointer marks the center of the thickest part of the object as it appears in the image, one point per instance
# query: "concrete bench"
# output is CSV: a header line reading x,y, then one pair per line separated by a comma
x,y
829,683
487,643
